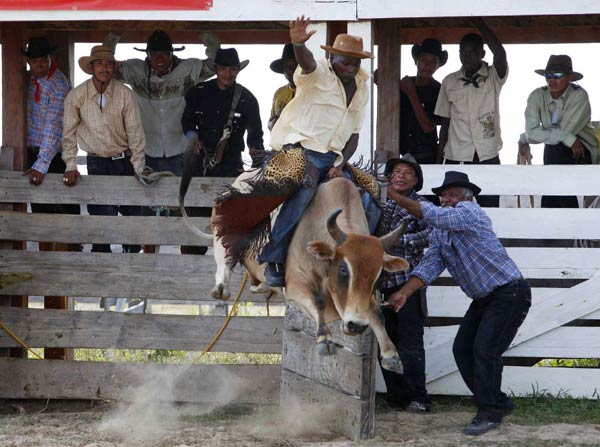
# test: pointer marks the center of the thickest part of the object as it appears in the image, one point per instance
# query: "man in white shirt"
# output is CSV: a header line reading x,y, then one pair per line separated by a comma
x,y
469,105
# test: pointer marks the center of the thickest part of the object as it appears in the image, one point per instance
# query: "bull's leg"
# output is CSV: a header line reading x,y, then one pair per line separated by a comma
x,y
390,359
325,345
223,275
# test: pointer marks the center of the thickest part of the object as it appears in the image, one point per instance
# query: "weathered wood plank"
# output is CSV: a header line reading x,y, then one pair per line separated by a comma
x,y
523,381
113,275
345,379
342,371
101,229
295,320
516,223
83,329
354,418
37,379
552,312
95,189
562,342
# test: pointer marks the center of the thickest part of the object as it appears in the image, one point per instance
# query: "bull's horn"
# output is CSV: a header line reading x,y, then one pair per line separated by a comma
x,y
334,230
390,239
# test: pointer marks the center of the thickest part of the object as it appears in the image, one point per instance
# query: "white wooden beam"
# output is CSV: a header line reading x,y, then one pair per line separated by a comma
x,y
371,9
553,312
525,381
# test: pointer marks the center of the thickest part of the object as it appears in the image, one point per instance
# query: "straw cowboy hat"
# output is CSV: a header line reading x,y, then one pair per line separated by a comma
x,y
38,47
99,52
347,45
431,46
455,178
560,64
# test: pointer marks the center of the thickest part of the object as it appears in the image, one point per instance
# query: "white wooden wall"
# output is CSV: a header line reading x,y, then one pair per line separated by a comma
x,y
543,334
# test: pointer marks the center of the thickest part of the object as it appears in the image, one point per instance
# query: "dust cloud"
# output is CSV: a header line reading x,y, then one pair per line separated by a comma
x,y
149,412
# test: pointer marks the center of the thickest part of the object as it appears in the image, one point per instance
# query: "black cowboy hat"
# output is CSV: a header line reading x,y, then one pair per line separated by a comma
x,y
227,57
409,160
431,46
159,41
560,64
288,53
455,178
38,47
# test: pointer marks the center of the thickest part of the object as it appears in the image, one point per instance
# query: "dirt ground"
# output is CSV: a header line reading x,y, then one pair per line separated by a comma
x,y
107,426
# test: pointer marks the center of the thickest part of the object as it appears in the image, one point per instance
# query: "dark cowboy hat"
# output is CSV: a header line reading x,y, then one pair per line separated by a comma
x,y
38,47
159,41
227,57
99,52
455,178
560,64
288,53
347,45
431,46
409,160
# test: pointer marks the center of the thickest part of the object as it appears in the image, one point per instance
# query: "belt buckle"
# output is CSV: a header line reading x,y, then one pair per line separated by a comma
x,y
119,156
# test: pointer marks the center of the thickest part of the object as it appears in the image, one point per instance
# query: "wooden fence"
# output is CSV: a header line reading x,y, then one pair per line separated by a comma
x,y
563,322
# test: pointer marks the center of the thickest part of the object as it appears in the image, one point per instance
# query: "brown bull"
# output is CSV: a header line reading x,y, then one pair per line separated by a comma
x,y
331,269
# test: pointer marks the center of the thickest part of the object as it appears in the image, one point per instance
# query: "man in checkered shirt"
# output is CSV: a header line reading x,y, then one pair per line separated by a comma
x,y
463,241
405,327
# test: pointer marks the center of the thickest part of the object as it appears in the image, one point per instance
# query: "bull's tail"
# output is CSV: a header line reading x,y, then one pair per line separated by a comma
x,y
186,178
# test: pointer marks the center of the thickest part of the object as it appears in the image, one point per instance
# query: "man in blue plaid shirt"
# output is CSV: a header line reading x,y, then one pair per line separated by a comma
x,y
405,327
46,94
463,241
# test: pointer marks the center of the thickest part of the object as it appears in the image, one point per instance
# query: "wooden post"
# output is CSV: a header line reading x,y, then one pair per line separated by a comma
x,y
364,29
14,115
345,380
388,88
64,60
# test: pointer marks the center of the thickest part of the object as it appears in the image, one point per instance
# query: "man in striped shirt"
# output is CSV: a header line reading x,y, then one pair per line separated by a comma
x,y
102,118
463,241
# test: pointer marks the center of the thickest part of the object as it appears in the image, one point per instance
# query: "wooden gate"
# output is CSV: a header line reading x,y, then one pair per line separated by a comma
x,y
564,320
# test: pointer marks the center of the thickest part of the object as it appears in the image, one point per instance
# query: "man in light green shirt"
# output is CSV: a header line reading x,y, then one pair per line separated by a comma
x,y
559,115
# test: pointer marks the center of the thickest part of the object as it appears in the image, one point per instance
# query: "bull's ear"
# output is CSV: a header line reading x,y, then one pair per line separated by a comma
x,y
394,263
321,250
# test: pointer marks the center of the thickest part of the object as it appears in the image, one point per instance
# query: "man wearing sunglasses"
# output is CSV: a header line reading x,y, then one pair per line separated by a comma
x,y
559,116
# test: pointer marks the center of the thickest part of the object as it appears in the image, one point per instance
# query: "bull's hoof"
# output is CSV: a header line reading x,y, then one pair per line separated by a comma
x,y
393,364
220,292
326,347
260,288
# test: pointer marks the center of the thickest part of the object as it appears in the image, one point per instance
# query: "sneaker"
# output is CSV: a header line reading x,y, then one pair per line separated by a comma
x,y
479,426
275,274
417,407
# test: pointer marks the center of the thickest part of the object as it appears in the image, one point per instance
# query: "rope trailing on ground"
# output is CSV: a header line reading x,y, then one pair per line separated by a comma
x,y
18,340
233,308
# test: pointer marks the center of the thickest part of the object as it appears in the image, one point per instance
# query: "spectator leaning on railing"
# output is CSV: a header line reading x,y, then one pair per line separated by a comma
x,y
102,118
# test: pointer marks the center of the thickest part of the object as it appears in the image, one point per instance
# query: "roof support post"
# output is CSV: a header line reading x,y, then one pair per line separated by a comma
x,y
388,83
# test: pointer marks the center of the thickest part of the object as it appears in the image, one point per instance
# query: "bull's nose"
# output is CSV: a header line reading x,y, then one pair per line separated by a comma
x,y
352,328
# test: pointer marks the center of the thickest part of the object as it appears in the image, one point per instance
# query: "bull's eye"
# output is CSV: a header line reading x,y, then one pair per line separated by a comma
x,y
343,269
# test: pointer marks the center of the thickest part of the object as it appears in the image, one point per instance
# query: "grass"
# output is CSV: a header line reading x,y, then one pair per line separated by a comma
x,y
175,357
538,408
